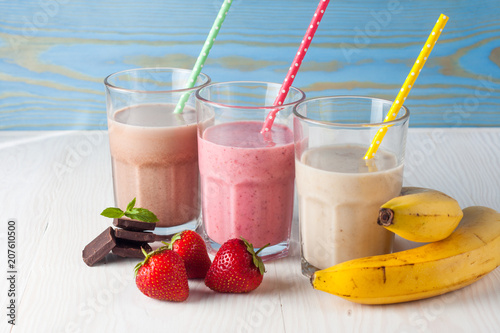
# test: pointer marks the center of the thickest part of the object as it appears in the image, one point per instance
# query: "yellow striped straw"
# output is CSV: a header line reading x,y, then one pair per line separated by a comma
x,y
410,80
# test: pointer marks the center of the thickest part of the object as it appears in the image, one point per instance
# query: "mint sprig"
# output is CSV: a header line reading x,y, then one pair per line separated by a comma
x,y
139,214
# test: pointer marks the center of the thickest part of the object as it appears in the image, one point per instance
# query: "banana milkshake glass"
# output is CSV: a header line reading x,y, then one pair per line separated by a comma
x,y
339,192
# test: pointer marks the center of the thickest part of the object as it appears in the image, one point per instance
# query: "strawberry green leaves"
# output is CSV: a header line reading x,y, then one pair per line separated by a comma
x,y
139,214
257,261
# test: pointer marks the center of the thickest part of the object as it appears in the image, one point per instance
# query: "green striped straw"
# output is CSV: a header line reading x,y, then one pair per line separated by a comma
x,y
204,53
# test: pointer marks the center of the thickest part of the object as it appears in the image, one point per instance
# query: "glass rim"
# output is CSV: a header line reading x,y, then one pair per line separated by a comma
x,y
398,120
203,99
160,69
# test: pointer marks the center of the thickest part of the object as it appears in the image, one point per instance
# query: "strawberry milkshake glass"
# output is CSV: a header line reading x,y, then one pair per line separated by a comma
x,y
247,178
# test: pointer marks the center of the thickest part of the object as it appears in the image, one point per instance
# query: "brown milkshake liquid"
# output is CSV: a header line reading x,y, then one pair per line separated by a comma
x,y
155,159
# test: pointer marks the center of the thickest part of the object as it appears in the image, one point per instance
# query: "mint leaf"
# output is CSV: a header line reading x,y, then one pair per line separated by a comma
x,y
130,205
113,213
141,214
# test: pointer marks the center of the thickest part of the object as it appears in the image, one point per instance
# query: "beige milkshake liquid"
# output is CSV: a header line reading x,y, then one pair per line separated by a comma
x,y
339,199
155,159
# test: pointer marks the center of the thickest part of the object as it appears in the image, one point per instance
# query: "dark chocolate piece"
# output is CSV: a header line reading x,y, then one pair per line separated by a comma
x,y
136,236
134,225
97,249
130,249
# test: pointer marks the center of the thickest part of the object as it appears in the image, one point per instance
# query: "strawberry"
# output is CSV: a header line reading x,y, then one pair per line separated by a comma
x,y
236,268
193,251
162,276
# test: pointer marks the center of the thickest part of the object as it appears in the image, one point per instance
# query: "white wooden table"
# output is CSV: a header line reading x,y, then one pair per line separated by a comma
x,y
55,184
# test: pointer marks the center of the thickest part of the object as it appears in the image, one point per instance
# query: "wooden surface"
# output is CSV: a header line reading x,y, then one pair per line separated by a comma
x,y
54,54
56,183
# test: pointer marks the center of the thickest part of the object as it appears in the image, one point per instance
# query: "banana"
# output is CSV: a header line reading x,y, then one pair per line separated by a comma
x,y
421,215
471,252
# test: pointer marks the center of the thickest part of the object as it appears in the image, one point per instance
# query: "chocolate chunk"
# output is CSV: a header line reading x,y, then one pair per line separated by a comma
x,y
145,237
130,249
99,247
134,225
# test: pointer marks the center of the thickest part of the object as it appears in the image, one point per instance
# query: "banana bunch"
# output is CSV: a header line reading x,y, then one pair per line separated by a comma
x,y
468,254
421,215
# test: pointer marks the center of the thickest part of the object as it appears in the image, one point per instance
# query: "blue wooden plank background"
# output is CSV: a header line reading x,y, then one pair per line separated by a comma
x,y
54,54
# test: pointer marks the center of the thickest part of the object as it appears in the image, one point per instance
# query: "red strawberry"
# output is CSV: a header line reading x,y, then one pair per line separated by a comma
x,y
162,276
193,251
236,268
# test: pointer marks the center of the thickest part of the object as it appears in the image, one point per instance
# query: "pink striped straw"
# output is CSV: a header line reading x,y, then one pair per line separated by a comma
x,y
297,61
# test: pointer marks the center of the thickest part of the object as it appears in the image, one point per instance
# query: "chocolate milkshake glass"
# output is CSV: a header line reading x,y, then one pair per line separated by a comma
x,y
339,192
247,178
154,151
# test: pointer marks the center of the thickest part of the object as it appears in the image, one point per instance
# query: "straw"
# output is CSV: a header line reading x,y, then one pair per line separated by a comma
x,y
408,84
297,61
204,53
